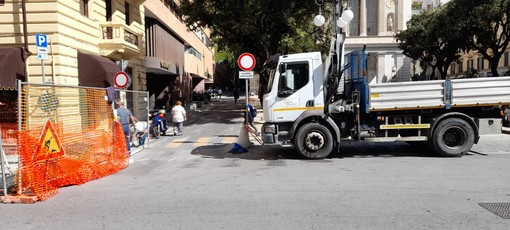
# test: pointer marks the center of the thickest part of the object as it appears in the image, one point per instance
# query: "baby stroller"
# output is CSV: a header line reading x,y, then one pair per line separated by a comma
x,y
141,132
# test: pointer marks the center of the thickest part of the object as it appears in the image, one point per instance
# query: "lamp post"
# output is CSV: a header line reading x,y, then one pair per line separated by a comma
x,y
340,18
345,17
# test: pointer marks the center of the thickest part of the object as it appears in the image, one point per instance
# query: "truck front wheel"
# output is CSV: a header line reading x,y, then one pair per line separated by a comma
x,y
314,141
453,137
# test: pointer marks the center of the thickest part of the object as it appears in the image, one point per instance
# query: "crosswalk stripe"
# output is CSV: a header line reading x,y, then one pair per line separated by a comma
x,y
176,143
229,140
201,141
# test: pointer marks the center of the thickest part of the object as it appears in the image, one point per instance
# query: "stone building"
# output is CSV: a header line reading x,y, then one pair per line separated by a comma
x,y
179,62
374,25
87,40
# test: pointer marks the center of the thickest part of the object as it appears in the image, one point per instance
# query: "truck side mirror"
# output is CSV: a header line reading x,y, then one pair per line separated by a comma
x,y
282,68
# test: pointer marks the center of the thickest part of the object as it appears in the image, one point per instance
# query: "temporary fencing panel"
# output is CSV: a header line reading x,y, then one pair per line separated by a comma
x,y
138,103
68,136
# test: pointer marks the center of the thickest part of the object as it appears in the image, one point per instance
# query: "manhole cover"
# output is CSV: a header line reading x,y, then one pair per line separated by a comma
x,y
500,209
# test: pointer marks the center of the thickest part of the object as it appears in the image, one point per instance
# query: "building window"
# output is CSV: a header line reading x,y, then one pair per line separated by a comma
x,y
461,66
452,68
194,52
470,64
84,7
126,12
506,58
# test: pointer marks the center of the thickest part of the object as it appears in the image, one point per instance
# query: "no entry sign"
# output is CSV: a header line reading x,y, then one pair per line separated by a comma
x,y
246,61
121,79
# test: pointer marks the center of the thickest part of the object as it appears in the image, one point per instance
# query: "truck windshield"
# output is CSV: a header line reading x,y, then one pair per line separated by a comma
x,y
272,74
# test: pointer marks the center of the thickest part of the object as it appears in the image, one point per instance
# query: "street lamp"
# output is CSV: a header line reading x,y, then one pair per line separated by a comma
x,y
342,21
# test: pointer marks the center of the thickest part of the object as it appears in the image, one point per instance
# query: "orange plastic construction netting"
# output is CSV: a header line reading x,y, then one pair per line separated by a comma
x,y
68,137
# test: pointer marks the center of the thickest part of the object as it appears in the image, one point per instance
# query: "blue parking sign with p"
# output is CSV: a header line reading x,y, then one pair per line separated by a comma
x,y
40,40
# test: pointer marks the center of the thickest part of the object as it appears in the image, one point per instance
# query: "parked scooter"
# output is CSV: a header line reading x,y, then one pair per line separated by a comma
x,y
158,126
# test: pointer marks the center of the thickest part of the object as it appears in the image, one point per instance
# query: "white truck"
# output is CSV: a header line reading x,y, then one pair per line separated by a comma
x,y
315,107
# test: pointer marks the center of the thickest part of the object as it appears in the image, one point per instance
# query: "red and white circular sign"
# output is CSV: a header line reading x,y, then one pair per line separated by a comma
x,y
246,61
121,79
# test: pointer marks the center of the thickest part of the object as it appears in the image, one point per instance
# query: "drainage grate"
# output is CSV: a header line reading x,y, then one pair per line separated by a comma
x,y
500,209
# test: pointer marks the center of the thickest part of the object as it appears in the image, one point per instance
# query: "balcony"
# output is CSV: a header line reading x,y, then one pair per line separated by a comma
x,y
120,38
138,2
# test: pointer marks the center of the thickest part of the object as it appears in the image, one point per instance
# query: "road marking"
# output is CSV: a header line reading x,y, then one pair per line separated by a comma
x,y
229,140
201,141
176,143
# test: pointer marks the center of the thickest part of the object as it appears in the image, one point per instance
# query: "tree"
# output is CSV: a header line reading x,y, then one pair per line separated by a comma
x,y
428,40
255,26
483,25
260,27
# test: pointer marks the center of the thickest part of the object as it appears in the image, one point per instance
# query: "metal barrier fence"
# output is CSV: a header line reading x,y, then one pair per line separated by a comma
x,y
138,103
66,135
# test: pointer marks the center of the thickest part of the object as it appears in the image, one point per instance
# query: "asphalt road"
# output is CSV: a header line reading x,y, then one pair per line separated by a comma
x,y
192,182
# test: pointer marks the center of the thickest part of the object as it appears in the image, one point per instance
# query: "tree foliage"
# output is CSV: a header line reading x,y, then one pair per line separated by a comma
x,y
428,40
484,26
439,37
261,27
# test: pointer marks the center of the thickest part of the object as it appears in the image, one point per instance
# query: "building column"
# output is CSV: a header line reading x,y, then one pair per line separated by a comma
x,y
363,18
381,25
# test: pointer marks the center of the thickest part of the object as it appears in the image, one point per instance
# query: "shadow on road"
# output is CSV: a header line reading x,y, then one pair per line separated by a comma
x,y
348,150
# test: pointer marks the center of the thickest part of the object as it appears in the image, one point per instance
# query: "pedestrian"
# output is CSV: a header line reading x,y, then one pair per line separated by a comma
x,y
250,113
219,93
236,96
178,117
126,118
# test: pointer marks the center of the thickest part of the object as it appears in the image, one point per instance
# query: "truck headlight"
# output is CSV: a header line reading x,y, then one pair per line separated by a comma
x,y
270,129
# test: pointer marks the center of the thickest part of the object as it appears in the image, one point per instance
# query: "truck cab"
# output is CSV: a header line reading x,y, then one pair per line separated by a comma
x,y
295,96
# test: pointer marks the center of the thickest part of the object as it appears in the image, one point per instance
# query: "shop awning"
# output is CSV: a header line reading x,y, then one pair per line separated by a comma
x,y
93,70
12,67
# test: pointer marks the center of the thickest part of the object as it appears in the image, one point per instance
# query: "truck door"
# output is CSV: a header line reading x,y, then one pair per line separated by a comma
x,y
294,91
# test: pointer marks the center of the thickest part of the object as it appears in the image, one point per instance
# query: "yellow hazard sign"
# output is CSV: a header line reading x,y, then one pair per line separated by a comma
x,y
49,145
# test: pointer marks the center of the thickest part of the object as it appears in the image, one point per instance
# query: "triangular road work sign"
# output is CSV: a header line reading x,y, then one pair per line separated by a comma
x,y
49,145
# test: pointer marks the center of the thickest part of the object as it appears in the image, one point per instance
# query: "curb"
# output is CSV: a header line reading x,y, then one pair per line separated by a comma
x,y
20,199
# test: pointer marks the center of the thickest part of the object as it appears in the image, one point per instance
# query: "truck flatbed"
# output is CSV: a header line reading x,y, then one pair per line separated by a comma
x,y
472,92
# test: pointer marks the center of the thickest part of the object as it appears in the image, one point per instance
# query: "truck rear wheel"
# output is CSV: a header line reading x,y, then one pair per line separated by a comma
x,y
314,141
453,137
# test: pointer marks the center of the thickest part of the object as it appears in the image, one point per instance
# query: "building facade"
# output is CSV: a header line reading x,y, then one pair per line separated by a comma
x,y
179,61
87,40
374,26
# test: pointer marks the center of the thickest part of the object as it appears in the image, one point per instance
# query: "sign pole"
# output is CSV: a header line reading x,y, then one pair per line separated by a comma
x,y
42,65
247,102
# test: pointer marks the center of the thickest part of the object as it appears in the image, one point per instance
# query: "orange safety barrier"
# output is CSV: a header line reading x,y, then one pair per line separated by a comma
x,y
68,137
42,174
